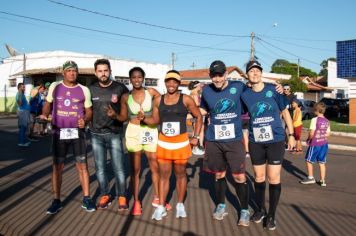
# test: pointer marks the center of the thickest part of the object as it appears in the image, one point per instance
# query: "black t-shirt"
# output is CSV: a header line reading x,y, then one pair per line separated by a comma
x,y
101,98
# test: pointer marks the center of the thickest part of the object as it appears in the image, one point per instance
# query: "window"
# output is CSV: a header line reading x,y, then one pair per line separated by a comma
x,y
150,82
12,82
124,80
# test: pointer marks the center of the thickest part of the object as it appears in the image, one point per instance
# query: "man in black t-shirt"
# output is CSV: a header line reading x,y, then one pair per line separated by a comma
x,y
106,133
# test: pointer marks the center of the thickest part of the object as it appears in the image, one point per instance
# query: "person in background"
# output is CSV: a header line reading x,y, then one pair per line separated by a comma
x,y
195,92
36,105
23,113
319,131
287,91
297,125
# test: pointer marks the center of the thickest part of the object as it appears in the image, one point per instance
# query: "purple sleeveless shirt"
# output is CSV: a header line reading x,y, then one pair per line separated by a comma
x,y
320,133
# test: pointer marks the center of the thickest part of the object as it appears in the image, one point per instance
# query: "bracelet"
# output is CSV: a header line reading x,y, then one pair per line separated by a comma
x,y
195,136
291,135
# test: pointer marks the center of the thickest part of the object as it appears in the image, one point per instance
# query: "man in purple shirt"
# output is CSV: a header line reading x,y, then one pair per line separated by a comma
x,y
72,109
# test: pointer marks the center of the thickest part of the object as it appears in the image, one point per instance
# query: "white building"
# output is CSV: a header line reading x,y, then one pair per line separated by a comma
x,y
41,67
340,87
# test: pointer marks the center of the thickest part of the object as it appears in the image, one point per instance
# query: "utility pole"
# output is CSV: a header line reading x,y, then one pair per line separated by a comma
x,y
252,55
298,68
193,65
24,67
173,60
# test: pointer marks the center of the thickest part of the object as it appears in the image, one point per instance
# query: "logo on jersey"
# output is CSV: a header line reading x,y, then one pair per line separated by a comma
x,y
67,93
260,108
67,102
269,94
233,90
224,105
114,98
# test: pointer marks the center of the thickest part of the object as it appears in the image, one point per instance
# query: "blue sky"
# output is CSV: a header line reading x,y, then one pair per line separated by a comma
x,y
304,29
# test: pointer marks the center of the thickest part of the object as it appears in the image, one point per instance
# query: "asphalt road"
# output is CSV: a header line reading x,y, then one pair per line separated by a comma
x,y
25,194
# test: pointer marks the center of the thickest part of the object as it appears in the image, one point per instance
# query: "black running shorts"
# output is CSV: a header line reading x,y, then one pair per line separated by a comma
x,y
272,153
220,155
61,147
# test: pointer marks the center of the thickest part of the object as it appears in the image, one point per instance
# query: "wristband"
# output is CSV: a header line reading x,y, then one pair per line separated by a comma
x,y
291,135
195,136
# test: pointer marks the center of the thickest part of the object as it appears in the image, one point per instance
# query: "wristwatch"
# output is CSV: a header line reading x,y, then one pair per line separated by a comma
x,y
195,136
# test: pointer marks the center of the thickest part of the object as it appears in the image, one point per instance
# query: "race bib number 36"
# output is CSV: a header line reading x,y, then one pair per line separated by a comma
x,y
68,133
263,134
171,128
224,131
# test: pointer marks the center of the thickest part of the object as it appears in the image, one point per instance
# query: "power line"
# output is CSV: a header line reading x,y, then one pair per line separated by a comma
x,y
299,39
148,24
285,51
303,46
122,35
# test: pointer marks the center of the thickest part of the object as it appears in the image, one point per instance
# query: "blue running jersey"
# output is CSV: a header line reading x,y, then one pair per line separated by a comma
x,y
224,108
264,108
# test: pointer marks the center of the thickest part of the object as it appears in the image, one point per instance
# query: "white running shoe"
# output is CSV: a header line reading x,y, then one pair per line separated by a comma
x,y
159,213
180,211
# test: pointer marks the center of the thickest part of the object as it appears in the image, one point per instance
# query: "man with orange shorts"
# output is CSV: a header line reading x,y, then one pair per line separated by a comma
x,y
170,111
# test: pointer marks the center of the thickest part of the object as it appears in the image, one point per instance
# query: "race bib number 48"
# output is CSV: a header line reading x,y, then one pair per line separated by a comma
x,y
68,133
171,128
263,134
224,131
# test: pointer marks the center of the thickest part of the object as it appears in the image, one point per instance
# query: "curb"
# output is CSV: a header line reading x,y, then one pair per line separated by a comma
x,y
337,147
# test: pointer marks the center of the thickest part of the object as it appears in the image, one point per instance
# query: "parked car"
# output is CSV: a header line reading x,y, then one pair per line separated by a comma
x,y
307,107
336,107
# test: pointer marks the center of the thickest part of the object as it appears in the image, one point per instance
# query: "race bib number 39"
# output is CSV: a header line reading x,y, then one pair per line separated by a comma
x,y
68,133
171,128
148,137
224,131
263,134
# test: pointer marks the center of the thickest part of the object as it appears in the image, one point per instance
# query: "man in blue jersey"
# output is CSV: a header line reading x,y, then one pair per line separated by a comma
x,y
266,140
221,101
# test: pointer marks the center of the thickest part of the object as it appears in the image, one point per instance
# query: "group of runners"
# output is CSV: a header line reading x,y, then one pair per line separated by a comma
x,y
157,127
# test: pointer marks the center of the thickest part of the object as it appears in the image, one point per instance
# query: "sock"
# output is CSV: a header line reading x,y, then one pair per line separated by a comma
x,y
220,189
242,193
274,194
260,189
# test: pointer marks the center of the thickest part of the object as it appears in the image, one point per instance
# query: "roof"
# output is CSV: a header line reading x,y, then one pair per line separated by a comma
x,y
57,70
313,86
203,74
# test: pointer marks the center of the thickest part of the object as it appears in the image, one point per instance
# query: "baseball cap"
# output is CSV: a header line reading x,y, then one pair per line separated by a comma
x,y
252,64
172,74
192,85
217,67
70,64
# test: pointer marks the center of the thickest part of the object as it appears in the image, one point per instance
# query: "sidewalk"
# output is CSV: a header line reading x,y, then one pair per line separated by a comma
x,y
337,140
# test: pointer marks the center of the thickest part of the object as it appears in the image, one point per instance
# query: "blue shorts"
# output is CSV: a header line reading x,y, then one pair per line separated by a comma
x,y
317,153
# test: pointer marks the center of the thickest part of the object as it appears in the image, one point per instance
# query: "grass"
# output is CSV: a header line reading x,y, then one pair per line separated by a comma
x,y
337,125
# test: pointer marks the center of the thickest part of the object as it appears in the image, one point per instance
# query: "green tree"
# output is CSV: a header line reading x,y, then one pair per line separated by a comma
x,y
282,66
324,65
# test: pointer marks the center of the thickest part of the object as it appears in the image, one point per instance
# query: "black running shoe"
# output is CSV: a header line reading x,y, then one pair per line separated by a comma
x,y
88,204
55,207
270,223
258,216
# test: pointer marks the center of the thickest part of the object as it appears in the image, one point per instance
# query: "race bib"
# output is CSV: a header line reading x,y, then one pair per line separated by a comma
x,y
224,131
263,134
171,128
68,133
148,137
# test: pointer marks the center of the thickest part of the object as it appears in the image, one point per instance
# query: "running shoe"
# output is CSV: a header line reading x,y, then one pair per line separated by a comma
x,y
198,151
258,216
159,213
322,183
137,209
24,144
308,180
220,212
180,211
55,207
155,202
105,201
122,203
247,155
88,204
32,139
270,223
244,218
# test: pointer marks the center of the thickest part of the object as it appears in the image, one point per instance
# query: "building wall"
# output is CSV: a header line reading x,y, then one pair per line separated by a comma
x,y
339,85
